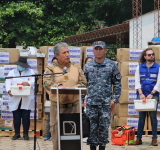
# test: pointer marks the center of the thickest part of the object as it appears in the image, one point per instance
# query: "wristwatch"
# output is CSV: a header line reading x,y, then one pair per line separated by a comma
x,y
152,93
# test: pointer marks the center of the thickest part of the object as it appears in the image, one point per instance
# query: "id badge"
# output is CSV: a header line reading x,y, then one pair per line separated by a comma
x,y
65,77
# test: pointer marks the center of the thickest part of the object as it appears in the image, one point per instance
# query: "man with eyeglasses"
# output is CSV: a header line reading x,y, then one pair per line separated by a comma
x,y
147,84
101,73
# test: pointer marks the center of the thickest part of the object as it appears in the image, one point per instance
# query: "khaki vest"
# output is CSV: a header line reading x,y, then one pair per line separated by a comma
x,y
70,79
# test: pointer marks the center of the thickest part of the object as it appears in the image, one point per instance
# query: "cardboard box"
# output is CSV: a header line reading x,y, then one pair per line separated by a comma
x,y
5,69
79,61
128,121
127,96
4,124
127,68
126,110
75,53
13,54
128,54
39,66
87,52
114,109
128,82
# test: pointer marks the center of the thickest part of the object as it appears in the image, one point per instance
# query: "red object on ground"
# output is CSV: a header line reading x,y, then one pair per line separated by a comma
x,y
123,135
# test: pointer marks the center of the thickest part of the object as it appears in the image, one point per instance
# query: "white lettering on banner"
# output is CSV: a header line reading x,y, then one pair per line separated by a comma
x,y
133,122
74,52
2,88
131,82
75,60
131,110
135,54
8,123
132,67
5,97
32,63
4,58
89,52
50,55
8,68
158,108
5,114
32,114
132,96
5,103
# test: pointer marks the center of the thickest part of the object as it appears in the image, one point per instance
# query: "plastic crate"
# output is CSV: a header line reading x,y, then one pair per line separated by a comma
x,y
145,105
21,90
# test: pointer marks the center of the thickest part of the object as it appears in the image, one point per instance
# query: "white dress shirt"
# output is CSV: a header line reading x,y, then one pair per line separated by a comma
x,y
27,101
137,80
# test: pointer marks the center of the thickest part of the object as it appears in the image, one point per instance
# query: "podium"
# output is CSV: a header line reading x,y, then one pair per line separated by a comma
x,y
69,124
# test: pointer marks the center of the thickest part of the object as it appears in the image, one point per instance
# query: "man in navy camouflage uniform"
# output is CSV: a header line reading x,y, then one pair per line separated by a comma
x,y
101,73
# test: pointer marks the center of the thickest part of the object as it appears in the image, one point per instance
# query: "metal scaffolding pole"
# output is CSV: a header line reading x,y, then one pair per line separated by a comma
x,y
156,18
137,23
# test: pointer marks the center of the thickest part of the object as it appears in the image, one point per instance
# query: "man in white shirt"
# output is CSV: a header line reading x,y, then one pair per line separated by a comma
x,y
21,105
147,84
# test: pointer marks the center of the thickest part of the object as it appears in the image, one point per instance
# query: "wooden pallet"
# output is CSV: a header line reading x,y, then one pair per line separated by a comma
x,y
10,133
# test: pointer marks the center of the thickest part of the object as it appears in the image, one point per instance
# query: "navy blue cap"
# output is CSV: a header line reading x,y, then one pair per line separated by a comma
x,y
99,43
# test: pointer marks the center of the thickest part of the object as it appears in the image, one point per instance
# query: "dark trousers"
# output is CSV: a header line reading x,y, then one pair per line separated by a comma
x,y
25,115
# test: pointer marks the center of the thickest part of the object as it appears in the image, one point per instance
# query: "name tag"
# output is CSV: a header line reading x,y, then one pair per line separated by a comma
x,y
65,77
143,75
153,75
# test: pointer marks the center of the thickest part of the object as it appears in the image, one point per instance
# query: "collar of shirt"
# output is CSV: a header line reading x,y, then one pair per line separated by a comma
x,y
99,64
144,65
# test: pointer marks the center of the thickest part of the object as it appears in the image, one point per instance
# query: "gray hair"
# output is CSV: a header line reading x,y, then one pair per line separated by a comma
x,y
56,48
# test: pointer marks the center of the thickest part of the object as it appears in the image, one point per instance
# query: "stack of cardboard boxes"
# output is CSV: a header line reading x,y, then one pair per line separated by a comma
x,y
124,113
7,59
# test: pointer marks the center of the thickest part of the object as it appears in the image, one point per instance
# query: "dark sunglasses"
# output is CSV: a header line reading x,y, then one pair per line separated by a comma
x,y
150,54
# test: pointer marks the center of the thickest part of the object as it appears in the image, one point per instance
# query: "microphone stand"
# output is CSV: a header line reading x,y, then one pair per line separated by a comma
x,y
35,93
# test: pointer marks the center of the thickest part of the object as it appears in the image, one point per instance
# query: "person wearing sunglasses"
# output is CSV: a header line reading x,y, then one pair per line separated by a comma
x,y
147,84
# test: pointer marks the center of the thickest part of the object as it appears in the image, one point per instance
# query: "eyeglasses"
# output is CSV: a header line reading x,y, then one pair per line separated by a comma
x,y
150,54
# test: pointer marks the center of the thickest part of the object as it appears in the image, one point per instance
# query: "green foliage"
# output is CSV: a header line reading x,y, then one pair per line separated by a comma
x,y
43,22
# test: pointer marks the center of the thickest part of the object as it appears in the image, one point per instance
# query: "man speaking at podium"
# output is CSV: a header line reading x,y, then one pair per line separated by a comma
x,y
73,78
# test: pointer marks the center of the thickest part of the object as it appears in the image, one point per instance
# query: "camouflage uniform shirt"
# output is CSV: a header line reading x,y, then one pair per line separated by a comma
x,y
100,78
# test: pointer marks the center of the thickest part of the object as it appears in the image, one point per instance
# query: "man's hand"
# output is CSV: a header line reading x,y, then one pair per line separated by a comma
x,y
25,84
149,96
142,96
9,92
112,106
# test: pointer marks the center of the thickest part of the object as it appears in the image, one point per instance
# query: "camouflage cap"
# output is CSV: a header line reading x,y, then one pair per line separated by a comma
x,y
99,43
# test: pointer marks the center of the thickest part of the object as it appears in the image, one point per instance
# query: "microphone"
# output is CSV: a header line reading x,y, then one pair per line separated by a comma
x,y
64,70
